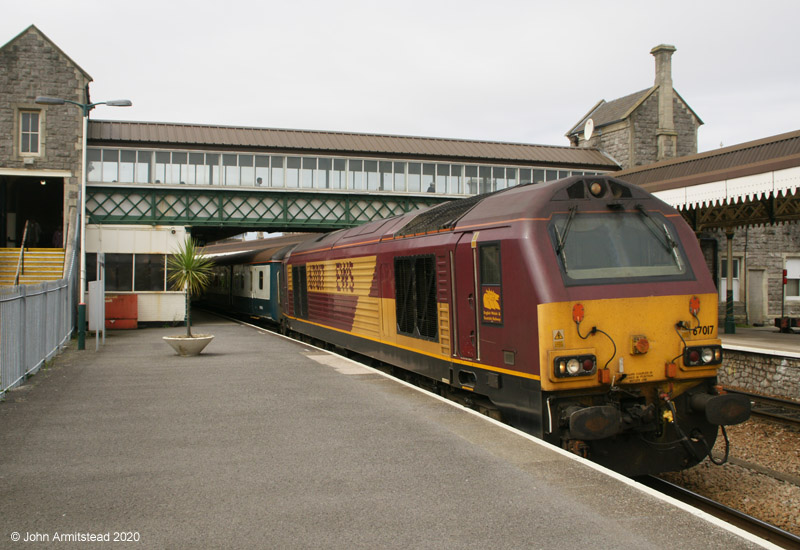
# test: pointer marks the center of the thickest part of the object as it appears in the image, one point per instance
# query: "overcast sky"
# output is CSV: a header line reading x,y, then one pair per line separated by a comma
x,y
519,71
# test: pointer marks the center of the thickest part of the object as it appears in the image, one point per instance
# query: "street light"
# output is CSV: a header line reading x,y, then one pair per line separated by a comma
x,y
85,109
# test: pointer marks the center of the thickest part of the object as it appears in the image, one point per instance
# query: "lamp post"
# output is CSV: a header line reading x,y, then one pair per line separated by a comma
x,y
85,110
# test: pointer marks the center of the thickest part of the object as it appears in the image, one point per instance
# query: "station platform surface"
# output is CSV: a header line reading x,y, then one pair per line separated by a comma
x,y
766,340
263,442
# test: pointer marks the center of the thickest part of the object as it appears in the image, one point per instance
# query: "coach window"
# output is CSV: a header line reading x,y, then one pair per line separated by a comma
x,y
415,296
260,280
29,135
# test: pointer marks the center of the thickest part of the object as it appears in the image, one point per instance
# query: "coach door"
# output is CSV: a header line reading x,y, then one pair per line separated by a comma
x,y
465,277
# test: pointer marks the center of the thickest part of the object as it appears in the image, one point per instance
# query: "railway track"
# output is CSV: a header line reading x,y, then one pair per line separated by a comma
x,y
752,525
772,407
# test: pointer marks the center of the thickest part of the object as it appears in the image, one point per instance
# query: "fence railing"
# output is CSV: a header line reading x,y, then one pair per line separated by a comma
x,y
36,321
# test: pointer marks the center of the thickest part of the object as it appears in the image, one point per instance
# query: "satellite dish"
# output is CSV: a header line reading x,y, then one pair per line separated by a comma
x,y
588,129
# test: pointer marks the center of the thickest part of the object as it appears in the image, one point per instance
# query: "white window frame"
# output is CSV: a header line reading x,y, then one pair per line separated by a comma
x,y
22,113
792,267
723,280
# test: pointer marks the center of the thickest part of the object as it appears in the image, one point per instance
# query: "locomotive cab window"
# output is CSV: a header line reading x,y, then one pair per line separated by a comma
x,y
415,296
491,293
617,247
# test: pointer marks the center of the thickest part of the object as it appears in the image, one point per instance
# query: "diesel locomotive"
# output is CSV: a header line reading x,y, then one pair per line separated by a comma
x,y
581,310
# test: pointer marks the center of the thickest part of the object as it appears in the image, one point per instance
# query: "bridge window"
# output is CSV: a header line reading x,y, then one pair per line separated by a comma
x,y
307,176
143,160
277,172
385,175
371,174
338,180
399,176
292,171
356,178
262,170
231,170
127,165
247,170
323,173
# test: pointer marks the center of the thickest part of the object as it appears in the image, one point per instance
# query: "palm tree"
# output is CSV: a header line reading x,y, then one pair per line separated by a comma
x,y
189,271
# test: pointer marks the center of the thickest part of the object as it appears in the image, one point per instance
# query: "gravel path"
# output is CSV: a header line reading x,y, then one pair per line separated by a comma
x,y
766,446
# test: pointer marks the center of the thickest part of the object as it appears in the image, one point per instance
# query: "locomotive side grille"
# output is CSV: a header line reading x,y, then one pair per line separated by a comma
x,y
415,296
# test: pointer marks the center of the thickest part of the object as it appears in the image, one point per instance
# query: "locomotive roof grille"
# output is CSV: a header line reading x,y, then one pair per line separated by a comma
x,y
444,216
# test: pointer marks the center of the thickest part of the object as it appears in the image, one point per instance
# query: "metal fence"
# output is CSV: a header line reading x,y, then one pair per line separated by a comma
x,y
36,321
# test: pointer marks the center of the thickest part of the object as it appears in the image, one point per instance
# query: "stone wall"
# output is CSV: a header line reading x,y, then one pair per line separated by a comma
x,y
759,373
760,249
30,66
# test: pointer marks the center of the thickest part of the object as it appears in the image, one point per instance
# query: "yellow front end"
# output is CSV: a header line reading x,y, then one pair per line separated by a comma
x,y
632,340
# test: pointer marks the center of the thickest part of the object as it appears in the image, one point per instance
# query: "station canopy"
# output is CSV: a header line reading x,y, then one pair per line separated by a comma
x,y
754,183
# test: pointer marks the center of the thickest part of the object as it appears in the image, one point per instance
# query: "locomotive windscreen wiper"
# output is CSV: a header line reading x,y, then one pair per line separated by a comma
x,y
663,237
562,239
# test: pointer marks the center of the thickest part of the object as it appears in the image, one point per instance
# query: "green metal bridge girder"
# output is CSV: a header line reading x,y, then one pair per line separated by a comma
x,y
267,209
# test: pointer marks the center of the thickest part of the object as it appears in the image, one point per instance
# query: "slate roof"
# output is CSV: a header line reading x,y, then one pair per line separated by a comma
x,y
187,136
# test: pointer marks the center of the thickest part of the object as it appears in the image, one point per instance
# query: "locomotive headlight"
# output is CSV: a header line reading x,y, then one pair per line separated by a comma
x,y
573,366
702,356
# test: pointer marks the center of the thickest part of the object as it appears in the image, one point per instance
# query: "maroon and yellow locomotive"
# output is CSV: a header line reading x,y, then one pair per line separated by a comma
x,y
581,309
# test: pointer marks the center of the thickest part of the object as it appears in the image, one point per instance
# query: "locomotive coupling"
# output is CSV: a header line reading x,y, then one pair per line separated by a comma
x,y
722,410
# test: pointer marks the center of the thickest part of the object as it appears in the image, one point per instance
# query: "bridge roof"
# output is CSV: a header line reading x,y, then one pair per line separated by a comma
x,y
174,135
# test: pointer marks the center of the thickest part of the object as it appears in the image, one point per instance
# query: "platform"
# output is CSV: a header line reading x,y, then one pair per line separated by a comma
x,y
766,340
263,442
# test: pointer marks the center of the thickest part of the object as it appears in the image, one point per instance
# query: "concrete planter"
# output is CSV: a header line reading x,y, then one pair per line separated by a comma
x,y
186,346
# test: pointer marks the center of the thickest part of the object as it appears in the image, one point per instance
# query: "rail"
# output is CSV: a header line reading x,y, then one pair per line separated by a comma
x,y
773,407
748,523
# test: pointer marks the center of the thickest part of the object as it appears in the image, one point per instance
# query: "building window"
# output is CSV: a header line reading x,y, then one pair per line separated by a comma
x,y
149,272
415,296
793,278
29,132
723,282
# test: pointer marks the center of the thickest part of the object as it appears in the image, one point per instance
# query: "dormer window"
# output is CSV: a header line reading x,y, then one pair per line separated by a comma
x,y
29,137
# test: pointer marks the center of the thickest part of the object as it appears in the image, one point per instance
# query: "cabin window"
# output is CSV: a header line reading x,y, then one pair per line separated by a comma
x,y
415,296
490,264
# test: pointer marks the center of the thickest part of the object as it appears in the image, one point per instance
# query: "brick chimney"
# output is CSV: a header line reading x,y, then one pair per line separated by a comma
x,y
667,137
